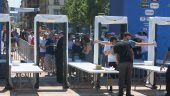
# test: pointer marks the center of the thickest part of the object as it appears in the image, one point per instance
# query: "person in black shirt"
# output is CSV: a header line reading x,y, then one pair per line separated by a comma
x,y
167,72
124,55
59,58
77,49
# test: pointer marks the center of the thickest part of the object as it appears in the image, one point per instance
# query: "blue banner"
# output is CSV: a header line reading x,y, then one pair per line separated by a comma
x,y
138,12
0,24
0,6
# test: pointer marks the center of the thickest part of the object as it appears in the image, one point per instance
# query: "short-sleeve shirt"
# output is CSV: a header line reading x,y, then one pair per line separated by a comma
x,y
132,43
50,48
42,43
124,51
111,57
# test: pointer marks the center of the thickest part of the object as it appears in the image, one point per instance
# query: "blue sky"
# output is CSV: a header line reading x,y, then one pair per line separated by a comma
x,y
14,3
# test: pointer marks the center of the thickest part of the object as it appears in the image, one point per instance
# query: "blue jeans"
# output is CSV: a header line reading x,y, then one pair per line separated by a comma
x,y
144,55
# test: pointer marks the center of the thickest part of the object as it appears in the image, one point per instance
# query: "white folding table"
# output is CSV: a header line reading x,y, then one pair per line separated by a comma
x,y
150,69
25,68
91,68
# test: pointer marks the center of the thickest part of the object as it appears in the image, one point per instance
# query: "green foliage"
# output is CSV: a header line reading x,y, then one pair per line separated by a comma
x,y
84,11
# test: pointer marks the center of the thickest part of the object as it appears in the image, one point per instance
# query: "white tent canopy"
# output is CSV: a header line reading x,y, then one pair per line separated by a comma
x,y
4,18
105,20
47,18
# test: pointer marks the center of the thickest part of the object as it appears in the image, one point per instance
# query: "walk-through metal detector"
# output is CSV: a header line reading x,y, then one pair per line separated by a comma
x,y
6,19
122,20
47,18
153,23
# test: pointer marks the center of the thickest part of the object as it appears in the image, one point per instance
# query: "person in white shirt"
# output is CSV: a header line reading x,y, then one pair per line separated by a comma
x,y
108,50
42,49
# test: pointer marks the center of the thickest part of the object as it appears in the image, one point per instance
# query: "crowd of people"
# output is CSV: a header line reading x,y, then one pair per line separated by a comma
x,y
80,47
114,52
119,53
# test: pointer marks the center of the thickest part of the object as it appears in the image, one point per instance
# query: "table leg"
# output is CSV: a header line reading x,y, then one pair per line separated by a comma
x,y
19,80
154,82
97,86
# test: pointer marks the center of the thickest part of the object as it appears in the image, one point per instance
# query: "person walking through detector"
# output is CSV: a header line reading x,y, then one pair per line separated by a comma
x,y
108,51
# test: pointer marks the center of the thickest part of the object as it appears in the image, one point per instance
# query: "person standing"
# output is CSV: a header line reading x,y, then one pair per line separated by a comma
x,y
144,49
109,51
59,58
77,49
124,55
49,53
167,72
87,50
111,57
42,50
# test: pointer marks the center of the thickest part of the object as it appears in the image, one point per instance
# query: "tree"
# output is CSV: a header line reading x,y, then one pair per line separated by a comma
x,y
84,11
76,10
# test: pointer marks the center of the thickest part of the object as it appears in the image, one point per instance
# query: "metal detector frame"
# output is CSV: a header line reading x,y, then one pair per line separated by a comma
x,y
105,20
153,22
6,18
47,18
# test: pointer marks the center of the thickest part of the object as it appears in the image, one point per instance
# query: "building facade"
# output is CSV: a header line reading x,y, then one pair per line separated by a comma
x,y
28,18
51,6
5,6
46,7
23,15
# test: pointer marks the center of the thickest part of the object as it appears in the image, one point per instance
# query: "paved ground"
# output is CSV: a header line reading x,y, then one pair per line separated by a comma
x,y
58,91
49,87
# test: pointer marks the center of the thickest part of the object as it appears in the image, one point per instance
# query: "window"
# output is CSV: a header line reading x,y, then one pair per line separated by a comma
x,y
56,11
56,2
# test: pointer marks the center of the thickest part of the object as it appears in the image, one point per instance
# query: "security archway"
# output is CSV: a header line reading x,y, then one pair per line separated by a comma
x,y
44,18
153,23
122,20
5,18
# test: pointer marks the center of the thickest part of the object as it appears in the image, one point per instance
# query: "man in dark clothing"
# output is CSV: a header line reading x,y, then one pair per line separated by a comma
x,y
167,72
49,59
77,49
124,55
59,58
